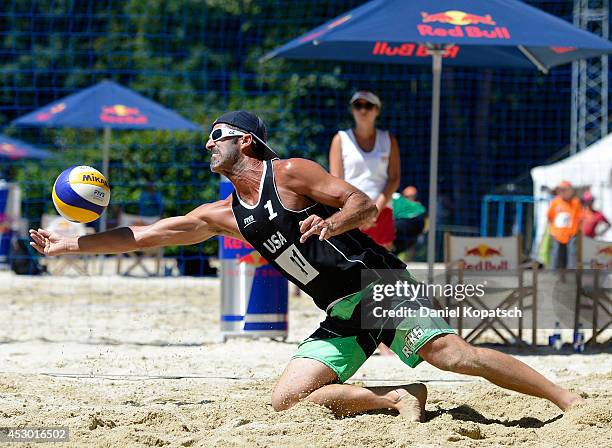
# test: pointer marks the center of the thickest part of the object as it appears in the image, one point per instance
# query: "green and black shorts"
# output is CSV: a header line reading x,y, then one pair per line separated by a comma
x,y
342,344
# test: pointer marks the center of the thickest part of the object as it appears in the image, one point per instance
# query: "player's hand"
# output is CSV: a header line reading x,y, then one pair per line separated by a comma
x,y
381,203
315,225
368,225
371,223
48,243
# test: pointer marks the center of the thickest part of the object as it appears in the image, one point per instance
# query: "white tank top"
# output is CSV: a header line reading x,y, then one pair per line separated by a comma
x,y
366,170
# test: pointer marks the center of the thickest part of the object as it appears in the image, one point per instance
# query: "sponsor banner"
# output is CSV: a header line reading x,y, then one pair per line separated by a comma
x,y
484,254
597,253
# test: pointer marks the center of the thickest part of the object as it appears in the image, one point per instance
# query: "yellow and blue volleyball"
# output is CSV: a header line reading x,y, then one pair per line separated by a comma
x,y
81,193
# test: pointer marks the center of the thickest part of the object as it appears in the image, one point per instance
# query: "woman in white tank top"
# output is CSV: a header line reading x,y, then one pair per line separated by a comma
x,y
368,158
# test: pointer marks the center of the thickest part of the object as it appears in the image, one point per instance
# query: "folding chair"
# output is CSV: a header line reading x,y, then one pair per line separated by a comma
x,y
493,255
594,262
79,263
139,258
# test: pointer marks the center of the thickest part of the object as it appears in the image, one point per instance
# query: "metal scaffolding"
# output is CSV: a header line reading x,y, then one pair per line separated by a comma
x,y
590,79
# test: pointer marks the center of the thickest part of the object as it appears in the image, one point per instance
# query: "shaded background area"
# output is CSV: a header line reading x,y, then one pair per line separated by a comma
x,y
201,58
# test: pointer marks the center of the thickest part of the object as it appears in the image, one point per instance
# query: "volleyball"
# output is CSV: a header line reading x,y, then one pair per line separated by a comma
x,y
81,193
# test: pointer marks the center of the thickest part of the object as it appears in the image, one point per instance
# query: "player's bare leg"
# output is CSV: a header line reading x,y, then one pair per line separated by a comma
x,y
384,350
309,379
346,399
451,353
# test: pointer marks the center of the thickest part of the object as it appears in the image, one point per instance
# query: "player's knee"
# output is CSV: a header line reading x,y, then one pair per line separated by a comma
x,y
450,353
283,399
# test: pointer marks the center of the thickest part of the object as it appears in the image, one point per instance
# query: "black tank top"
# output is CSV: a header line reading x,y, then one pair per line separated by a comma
x,y
326,270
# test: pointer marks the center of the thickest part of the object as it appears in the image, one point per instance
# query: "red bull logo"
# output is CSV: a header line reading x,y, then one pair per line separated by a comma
x,y
11,151
605,251
120,114
465,24
457,18
483,252
53,110
253,258
603,258
410,50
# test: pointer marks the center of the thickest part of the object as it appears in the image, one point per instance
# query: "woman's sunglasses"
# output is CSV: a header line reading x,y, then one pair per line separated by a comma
x,y
363,105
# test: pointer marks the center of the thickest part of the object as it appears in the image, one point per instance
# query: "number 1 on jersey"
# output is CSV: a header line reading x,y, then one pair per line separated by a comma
x,y
272,214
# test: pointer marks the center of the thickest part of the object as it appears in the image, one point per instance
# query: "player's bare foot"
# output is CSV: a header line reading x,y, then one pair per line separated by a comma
x,y
410,401
575,400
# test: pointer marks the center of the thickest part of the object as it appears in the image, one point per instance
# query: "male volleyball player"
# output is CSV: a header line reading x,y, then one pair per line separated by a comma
x,y
303,221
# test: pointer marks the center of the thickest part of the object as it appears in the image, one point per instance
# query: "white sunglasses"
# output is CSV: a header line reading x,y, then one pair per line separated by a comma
x,y
220,133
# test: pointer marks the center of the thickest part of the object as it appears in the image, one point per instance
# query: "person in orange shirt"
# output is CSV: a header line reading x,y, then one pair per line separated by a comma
x,y
564,216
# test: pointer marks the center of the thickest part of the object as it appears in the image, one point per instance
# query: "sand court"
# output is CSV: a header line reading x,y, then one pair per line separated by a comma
x,y
138,362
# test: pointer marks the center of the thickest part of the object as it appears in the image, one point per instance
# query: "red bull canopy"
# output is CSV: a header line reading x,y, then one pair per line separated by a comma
x,y
479,33
13,149
486,33
106,105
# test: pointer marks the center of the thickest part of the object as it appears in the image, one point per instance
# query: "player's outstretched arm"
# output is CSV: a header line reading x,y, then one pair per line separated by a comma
x,y
309,179
198,225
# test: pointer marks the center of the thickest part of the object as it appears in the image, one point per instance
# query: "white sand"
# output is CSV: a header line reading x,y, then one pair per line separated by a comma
x,y
138,362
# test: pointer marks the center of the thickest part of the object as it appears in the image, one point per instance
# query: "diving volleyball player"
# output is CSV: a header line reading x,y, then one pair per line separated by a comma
x,y
312,218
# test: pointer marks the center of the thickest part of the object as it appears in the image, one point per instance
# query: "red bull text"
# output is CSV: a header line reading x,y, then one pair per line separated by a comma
x,y
410,50
464,25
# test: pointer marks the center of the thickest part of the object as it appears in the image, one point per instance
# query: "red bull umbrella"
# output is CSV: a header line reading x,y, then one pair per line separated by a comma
x,y
106,105
14,149
479,33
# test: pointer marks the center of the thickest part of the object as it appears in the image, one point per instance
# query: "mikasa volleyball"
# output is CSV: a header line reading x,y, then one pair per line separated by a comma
x,y
81,193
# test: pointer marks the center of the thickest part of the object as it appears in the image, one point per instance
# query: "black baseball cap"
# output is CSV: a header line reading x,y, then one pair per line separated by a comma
x,y
252,124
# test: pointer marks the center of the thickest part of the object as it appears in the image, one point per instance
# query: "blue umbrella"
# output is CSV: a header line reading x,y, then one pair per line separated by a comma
x,y
482,33
106,105
13,149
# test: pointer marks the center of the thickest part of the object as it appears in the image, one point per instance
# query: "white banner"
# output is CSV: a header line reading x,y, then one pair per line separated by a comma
x,y
596,252
485,254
